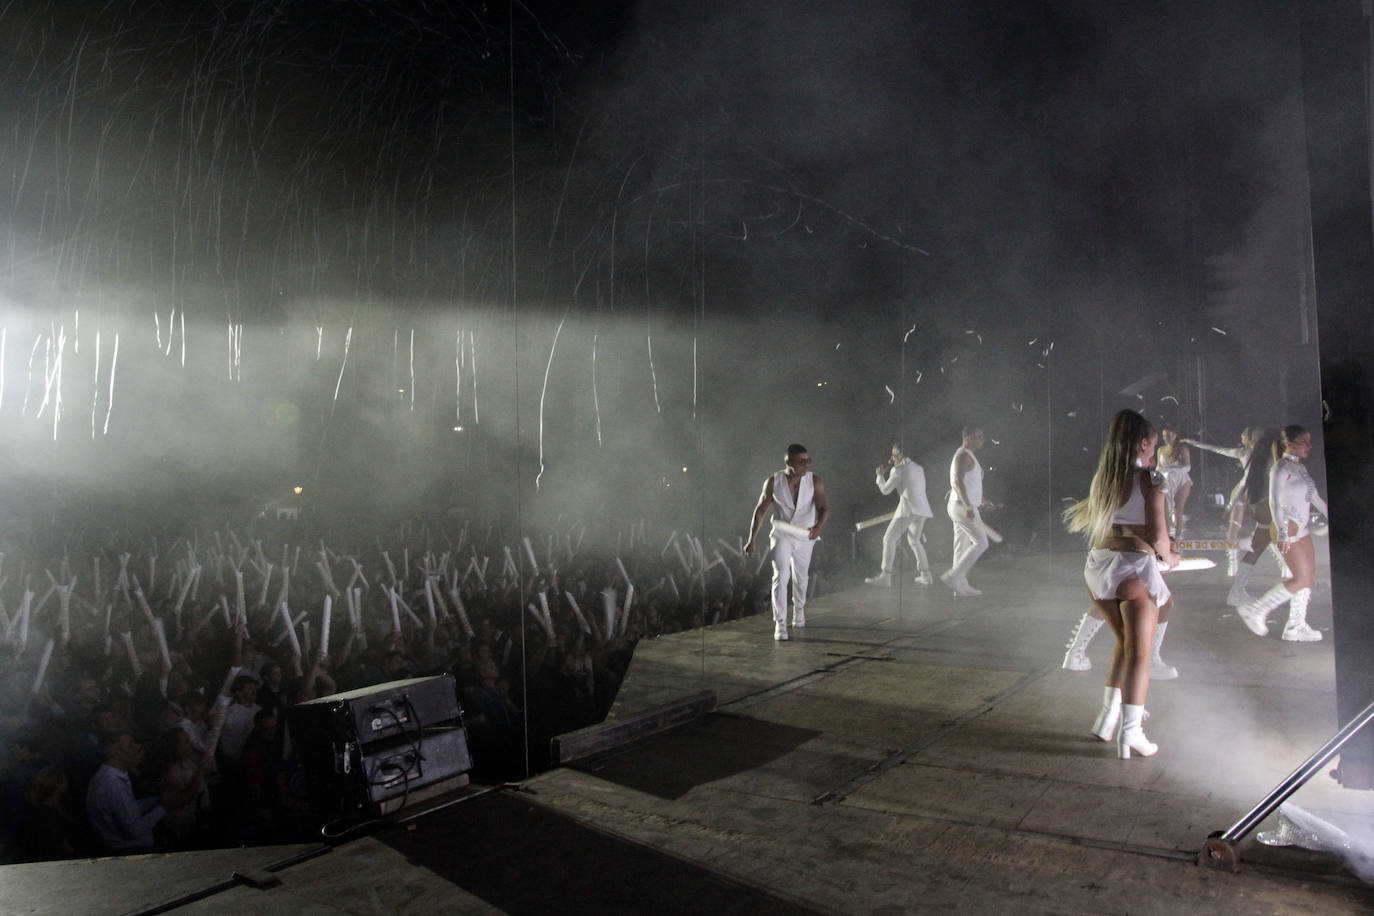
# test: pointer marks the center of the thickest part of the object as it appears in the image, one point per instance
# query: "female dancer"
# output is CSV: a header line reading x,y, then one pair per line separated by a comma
x,y
1123,519
1255,493
1174,461
1235,506
1292,496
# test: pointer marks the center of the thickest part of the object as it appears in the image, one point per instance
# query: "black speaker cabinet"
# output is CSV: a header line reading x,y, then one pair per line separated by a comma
x,y
375,750
379,712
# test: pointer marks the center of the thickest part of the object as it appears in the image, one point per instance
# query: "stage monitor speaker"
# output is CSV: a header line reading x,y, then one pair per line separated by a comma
x,y
375,750
379,712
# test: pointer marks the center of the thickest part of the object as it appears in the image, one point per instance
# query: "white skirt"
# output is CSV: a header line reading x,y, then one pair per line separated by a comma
x,y
1105,570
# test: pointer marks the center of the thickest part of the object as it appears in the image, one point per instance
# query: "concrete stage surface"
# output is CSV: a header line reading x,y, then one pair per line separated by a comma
x,y
905,752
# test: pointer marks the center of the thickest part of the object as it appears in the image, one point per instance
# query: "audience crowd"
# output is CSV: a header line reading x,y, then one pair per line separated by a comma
x,y
145,693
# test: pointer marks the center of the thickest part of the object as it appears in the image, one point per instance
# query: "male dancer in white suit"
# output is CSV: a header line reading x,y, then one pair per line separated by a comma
x,y
913,508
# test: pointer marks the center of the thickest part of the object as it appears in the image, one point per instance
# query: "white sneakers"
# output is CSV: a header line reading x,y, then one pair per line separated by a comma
x,y
882,580
924,579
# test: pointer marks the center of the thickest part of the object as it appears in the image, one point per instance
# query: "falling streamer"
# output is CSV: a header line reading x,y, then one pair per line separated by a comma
x,y
348,339
458,382
171,327
694,377
596,401
553,347
653,376
183,338
95,384
76,331
891,395
157,329
319,341
109,401
911,330
412,370
472,347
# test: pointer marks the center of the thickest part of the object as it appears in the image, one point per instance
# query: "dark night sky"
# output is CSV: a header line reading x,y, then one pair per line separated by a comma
x,y
776,191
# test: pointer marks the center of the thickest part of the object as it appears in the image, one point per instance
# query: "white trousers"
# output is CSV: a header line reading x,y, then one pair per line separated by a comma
x,y
970,538
912,525
791,563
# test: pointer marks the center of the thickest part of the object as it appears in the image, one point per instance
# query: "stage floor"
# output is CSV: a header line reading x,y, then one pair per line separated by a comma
x,y
904,752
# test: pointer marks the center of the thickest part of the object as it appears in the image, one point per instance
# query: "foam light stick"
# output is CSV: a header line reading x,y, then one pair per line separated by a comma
x,y
672,583
161,635
95,565
625,611
224,604
306,644
875,520
510,566
623,574
64,607
290,629
324,625
390,567
327,577
608,597
728,546
128,639
462,612
1188,564
240,610
405,555
24,619
266,583
991,532
42,669
529,552
539,619
192,574
395,613
429,601
577,612
794,530
544,607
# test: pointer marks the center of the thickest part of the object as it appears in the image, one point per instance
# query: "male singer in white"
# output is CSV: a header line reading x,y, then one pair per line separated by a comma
x,y
913,508
797,497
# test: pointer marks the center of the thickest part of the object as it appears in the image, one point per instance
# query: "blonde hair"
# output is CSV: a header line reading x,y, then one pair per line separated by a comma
x,y
1114,478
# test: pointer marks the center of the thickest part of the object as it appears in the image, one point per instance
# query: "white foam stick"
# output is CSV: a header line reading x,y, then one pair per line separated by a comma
x,y
128,639
160,632
95,566
224,605
544,608
42,669
681,558
608,597
358,605
462,612
240,609
409,613
390,567
284,593
327,576
539,619
577,612
789,528
290,628
228,681
266,583
324,625
205,618
405,556
726,566
672,583
24,619
625,611
64,611
991,532
186,587
429,600
623,574
152,572
875,520
306,644
510,566
395,612
730,547
529,552
1191,563
143,602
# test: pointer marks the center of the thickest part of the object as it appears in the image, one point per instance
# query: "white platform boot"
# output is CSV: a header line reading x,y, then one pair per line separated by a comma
x,y
1297,630
1238,595
1255,614
1109,716
1132,735
1160,670
1076,659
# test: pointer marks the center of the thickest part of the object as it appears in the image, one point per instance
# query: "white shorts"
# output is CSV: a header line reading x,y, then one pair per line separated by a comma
x,y
1107,569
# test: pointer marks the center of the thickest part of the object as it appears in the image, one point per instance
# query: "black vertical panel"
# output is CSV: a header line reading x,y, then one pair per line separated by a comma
x,y
1335,70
